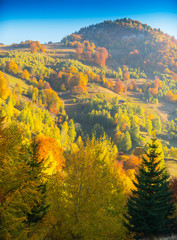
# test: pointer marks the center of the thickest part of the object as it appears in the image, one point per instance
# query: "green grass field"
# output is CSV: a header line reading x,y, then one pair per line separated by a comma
x,y
12,81
171,165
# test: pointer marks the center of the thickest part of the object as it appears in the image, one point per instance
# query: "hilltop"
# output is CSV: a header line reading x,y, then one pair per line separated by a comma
x,y
133,44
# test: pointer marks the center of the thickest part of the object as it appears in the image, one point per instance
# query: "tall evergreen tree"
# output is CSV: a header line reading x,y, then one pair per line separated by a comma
x,y
157,125
135,133
150,207
126,142
40,209
149,126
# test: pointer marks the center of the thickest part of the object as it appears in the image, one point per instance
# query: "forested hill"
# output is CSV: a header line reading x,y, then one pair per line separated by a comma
x,y
133,44
73,130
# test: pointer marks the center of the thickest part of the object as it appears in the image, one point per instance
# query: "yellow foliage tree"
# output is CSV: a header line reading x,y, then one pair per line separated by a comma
x,y
4,90
25,74
93,194
12,67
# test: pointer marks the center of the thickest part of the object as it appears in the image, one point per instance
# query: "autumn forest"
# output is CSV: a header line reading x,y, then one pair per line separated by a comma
x,y
88,135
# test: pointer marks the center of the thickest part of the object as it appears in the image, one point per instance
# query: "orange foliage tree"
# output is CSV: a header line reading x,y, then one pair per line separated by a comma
x,y
53,101
118,136
101,56
40,84
88,53
33,47
47,85
130,86
76,37
69,79
119,86
153,91
42,48
79,49
12,67
25,74
50,152
157,83
132,162
79,89
93,77
126,76
170,96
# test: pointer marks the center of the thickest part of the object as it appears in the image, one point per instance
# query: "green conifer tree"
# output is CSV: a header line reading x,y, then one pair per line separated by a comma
x,y
149,208
135,133
71,131
40,209
157,125
149,126
127,142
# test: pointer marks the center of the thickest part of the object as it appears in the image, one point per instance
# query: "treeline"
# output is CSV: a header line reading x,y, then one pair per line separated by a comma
x,y
67,63
73,80
68,75
33,45
87,50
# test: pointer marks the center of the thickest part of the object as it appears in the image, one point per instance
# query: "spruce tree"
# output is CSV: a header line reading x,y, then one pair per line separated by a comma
x,y
127,142
40,209
149,126
135,133
150,207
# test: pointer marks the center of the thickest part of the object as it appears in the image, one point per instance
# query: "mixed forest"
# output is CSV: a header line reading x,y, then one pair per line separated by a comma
x,y
88,135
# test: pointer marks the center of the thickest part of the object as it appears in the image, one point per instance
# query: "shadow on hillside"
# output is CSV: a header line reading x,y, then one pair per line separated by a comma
x,y
66,96
136,96
169,108
170,160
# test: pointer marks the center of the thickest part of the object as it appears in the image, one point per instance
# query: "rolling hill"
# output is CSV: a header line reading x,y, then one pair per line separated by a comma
x,y
133,44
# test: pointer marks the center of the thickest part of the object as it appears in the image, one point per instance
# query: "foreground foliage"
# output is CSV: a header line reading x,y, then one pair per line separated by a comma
x,y
89,203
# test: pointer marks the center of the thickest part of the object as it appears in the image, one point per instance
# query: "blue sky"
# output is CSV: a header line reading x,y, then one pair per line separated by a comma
x,y
53,19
